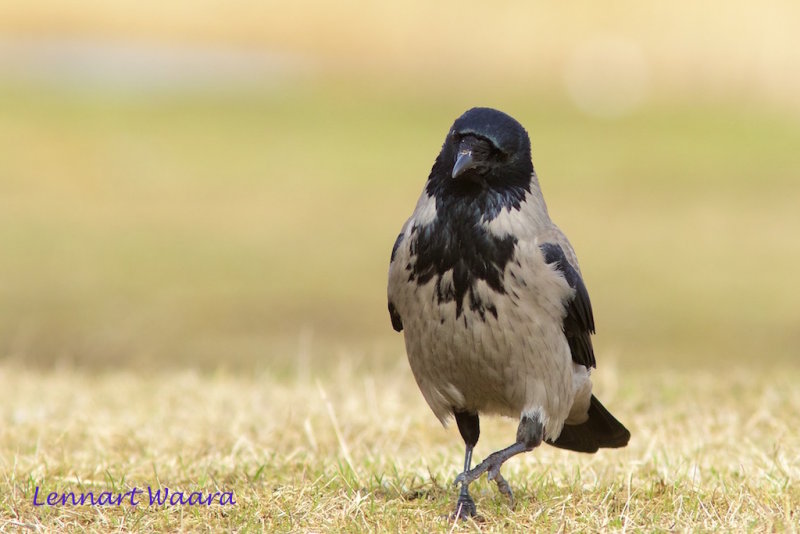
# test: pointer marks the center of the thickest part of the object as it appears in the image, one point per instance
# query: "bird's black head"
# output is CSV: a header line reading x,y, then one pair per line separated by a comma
x,y
485,149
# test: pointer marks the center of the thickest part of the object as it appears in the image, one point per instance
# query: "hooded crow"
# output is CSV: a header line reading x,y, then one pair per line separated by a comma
x,y
489,296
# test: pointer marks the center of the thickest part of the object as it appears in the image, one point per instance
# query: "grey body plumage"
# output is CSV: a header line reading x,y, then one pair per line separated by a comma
x,y
489,296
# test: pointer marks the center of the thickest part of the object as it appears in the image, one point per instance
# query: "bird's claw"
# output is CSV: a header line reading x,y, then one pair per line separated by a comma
x,y
504,488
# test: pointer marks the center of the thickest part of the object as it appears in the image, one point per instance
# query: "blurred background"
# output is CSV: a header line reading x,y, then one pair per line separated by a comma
x,y
219,184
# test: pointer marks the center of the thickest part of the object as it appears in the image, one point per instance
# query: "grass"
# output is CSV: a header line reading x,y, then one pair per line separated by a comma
x,y
214,229
357,449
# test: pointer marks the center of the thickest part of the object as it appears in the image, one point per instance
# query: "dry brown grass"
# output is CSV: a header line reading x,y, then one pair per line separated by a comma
x,y
353,450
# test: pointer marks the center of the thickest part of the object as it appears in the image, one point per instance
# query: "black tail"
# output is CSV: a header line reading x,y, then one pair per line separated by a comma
x,y
600,430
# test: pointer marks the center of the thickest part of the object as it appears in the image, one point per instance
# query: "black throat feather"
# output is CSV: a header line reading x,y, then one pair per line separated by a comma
x,y
458,240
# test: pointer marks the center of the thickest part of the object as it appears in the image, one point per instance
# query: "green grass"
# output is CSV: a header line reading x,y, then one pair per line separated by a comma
x,y
205,228
192,295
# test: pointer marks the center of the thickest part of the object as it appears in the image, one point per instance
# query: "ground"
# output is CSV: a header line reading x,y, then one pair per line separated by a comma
x,y
709,451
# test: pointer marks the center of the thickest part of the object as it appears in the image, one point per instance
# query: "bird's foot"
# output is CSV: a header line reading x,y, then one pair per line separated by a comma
x,y
465,508
491,466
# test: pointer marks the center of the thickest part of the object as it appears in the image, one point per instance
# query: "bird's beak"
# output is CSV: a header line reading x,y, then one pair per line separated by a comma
x,y
464,161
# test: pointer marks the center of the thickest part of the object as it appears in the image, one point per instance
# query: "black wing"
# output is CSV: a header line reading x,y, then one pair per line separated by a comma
x,y
579,322
396,246
397,322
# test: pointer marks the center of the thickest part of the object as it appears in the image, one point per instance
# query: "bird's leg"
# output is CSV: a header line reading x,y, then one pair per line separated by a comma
x,y
529,436
469,426
465,506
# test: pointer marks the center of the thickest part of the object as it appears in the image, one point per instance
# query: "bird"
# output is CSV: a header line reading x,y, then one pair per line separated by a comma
x,y
488,294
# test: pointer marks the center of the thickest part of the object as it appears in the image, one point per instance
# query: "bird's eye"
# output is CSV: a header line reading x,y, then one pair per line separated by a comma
x,y
497,154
